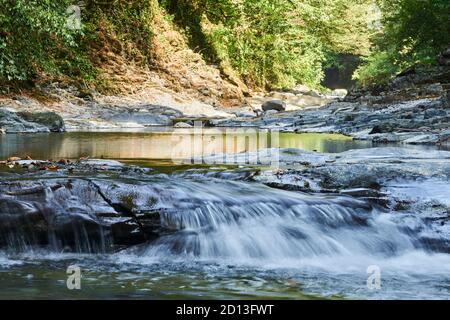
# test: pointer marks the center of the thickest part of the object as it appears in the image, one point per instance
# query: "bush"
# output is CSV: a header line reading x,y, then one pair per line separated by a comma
x,y
378,68
413,32
34,38
272,43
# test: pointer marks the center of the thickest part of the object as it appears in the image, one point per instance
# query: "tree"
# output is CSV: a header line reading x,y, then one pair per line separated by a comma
x,y
32,34
413,32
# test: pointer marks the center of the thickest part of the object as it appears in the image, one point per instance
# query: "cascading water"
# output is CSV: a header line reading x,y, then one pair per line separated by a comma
x,y
229,237
221,219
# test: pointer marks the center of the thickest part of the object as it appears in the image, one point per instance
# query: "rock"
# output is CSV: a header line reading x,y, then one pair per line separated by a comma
x,y
361,192
245,114
51,120
182,125
340,93
431,113
64,161
136,119
434,89
270,112
300,89
277,105
11,122
422,139
69,213
102,162
13,159
382,128
444,137
313,93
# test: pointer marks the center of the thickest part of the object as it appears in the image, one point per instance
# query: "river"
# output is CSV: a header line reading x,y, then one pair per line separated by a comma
x,y
237,238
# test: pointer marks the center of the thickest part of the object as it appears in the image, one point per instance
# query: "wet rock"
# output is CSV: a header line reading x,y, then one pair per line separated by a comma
x,y
69,213
422,139
277,105
11,122
102,163
444,137
51,120
361,192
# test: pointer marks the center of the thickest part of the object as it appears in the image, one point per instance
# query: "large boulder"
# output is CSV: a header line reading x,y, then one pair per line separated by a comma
x,y
11,122
51,120
277,105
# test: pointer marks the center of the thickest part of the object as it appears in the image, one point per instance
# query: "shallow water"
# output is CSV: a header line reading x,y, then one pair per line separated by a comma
x,y
238,239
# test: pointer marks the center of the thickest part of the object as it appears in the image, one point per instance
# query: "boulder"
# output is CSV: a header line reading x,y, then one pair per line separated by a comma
x,y
51,120
382,128
10,122
277,105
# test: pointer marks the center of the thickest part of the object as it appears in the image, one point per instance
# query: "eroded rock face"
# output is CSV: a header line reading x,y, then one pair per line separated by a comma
x,y
50,120
11,122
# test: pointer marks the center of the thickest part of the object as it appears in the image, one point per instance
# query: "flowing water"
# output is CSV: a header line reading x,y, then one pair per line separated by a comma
x,y
237,239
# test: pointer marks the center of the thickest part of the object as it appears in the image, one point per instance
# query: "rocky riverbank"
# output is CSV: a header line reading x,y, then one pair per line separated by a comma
x,y
84,111
414,108
384,118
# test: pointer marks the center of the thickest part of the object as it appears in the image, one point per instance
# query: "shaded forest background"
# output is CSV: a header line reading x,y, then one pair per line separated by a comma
x,y
267,44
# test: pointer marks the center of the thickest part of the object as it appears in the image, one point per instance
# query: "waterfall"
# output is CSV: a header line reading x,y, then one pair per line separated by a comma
x,y
211,217
234,220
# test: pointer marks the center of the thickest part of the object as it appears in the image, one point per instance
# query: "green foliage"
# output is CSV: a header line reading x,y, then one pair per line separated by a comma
x,y
34,37
377,69
268,43
413,32
273,43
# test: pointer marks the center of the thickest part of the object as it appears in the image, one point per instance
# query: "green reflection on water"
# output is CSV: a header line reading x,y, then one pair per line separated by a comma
x,y
178,144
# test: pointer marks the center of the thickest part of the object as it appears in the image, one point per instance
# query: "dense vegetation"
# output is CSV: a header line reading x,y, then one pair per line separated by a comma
x,y
268,43
412,32
34,38
274,43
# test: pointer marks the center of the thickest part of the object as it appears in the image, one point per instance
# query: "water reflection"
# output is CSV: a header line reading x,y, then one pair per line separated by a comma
x,y
165,144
